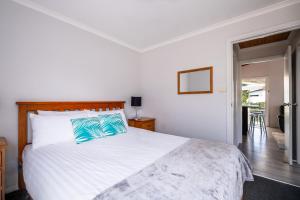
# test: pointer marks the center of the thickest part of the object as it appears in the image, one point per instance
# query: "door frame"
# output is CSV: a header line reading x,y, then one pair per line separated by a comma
x,y
288,98
230,137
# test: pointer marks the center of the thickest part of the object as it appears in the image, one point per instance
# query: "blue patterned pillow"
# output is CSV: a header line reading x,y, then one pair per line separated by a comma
x,y
112,124
86,129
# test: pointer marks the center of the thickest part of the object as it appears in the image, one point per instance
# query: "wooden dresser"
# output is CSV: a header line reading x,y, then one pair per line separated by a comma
x,y
144,123
3,145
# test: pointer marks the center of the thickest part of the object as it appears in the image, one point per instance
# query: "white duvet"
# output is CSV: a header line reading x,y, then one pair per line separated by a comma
x,y
70,171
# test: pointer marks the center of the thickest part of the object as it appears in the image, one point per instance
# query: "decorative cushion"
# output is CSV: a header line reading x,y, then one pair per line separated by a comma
x,y
86,129
112,123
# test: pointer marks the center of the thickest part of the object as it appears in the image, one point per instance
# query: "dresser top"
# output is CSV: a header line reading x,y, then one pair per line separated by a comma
x,y
3,141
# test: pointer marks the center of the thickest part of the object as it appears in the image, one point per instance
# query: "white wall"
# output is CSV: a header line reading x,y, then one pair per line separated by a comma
x,y
42,59
273,71
199,115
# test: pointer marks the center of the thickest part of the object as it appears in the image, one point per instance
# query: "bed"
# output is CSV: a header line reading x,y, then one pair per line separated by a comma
x,y
140,164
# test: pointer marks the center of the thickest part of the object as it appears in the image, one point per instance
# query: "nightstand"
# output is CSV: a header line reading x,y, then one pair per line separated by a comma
x,y
3,145
144,123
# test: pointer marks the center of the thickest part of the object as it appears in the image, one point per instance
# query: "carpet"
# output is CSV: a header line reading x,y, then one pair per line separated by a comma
x,y
17,195
266,189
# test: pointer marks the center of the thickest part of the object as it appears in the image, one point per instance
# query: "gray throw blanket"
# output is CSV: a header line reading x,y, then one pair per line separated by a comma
x,y
196,170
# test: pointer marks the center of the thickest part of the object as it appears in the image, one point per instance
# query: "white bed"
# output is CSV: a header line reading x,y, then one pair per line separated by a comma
x,y
80,172
142,161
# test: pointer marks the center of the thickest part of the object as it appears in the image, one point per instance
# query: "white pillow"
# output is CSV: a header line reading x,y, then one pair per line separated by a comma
x,y
48,130
48,113
121,111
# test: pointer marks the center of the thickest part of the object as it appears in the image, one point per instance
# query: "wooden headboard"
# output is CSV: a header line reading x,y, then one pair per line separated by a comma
x,y
29,107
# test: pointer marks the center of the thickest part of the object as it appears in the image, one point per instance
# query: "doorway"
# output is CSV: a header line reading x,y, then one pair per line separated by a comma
x,y
264,78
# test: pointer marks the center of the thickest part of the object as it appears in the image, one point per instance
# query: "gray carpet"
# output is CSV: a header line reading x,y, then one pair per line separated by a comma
x,y
266,189
17,195
260,189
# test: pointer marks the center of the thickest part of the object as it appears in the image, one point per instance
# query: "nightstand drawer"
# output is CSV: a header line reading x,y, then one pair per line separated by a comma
x,y
148,126
144,123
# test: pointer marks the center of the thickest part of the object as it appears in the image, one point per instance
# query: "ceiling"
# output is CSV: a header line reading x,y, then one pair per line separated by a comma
x,y
265,40
265,48
253,84
144,23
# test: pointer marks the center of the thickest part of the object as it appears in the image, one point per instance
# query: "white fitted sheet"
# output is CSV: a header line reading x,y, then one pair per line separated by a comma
x,y
82,171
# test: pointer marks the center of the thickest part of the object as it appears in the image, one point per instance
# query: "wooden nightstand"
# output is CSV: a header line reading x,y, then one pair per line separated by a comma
x,y
144,123
3,145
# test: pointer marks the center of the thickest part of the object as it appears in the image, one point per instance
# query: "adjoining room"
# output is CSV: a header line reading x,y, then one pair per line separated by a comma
x,y
268,121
